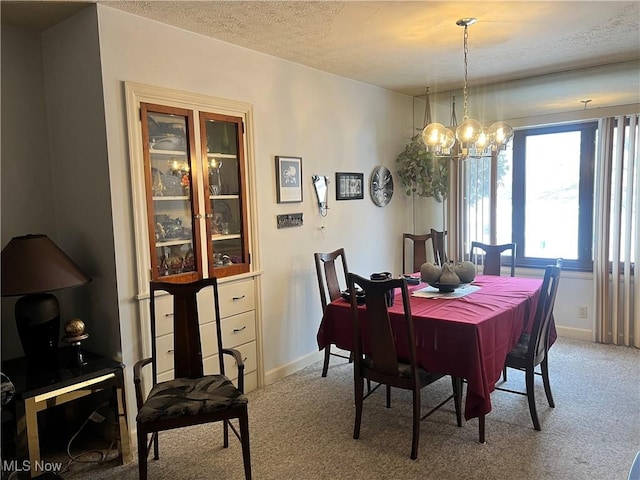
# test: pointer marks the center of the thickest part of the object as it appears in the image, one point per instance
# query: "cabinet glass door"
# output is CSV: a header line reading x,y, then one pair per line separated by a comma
x,y
172,207
225,185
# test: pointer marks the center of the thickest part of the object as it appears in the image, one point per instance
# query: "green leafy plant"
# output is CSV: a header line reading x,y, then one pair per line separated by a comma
x,y
421,172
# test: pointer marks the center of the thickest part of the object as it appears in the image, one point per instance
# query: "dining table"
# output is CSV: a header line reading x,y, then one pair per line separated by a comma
x,y
466,333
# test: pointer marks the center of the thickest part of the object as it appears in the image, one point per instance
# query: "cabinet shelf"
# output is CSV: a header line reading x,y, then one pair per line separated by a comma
x,y
170,243
168,152
181,198
230,236
221,155
224,197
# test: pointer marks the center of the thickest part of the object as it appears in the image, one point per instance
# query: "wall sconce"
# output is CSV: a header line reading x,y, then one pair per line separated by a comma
x,y
320,184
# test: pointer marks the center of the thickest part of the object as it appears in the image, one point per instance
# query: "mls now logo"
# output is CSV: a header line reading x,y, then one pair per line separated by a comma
x,y
25,466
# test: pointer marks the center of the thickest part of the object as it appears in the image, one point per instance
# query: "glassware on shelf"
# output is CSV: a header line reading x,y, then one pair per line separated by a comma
x,y
215,177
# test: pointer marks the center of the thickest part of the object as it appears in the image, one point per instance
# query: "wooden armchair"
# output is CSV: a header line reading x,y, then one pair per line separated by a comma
x,y
490,259
329,286
192,397
532,348
419,251
378,361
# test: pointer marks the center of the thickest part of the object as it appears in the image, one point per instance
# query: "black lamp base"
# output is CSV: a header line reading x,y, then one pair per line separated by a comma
x,y
38,322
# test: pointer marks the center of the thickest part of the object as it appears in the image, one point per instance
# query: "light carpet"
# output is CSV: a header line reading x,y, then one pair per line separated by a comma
x,y
301,427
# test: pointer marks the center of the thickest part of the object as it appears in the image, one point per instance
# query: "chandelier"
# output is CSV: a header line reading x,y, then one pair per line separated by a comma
x,y
472,139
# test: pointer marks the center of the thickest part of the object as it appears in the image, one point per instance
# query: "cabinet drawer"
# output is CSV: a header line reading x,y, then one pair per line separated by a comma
x,y
250,381
164,345
236,297
248,354
164,314
238,329
164,357
164,310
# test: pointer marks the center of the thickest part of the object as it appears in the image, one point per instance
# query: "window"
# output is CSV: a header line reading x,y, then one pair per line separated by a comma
x,y
538,194
552,197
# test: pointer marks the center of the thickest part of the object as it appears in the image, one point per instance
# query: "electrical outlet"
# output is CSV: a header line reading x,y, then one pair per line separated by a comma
x,y
582,311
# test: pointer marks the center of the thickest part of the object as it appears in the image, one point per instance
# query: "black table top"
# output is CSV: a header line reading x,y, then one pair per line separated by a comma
x,y
30,381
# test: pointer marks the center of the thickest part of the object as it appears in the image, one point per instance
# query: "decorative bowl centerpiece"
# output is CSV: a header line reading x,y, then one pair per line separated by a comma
x,y
449,277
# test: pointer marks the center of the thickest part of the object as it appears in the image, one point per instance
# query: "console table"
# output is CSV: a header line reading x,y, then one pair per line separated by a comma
x,y
38,389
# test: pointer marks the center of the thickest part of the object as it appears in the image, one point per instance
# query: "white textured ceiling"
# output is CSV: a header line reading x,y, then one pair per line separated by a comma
x,y
407,46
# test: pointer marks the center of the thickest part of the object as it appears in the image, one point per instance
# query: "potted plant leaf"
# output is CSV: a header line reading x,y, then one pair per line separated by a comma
x,y
421,172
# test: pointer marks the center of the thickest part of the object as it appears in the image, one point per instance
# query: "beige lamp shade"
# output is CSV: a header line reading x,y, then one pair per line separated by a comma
x,y
34,264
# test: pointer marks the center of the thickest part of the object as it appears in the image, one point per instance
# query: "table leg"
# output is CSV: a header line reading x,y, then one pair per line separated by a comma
x,y
27,440
125,441
481,429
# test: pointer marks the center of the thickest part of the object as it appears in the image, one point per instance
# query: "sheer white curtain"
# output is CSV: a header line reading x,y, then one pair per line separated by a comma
x,y
616,239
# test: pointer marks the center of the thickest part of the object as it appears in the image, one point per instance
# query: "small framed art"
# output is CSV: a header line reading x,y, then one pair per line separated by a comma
x,y
349,186
289,179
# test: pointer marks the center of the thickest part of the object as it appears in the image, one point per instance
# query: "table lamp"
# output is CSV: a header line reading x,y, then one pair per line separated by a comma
x,y
33,266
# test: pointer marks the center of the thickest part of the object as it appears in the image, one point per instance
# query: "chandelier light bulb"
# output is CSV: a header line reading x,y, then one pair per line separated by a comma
x,y
483,141
434,135
473,140
449,140
500,133
469,131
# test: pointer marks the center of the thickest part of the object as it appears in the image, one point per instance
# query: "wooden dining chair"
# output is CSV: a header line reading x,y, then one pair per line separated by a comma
x,y
329,286
191,398
378,361
532,347
419,246
491,257
439,251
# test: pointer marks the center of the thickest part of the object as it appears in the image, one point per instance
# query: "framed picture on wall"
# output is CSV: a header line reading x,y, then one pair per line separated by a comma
x,y
349,186
289,179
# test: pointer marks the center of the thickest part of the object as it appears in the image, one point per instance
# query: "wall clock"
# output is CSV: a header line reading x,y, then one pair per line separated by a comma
x,y
381,186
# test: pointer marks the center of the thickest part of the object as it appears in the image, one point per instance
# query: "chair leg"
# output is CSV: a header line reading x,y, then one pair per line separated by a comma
x,y
244,435
504,373
544,366
456,382
325,365
530,377
416,424
142,455
388,396
225,433
359,397
156,446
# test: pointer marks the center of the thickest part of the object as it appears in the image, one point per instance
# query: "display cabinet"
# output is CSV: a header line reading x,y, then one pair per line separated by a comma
x,y
194,216
172,195
183,187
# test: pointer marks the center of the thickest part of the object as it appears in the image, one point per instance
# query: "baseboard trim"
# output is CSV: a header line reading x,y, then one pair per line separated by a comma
x,y
298,364
577,333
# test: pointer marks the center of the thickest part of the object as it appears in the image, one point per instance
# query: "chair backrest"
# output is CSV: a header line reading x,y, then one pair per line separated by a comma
x,y
327,273
419,251
538,341
439,252
381,348
490,259
185,326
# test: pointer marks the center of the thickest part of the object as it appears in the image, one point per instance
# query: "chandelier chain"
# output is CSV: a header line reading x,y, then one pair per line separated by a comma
x,y
466,67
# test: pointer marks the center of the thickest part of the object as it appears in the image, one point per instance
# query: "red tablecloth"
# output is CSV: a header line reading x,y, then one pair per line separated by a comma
x,y
468,337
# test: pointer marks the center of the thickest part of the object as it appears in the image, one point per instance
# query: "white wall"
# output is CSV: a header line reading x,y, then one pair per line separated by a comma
x,y
334,124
